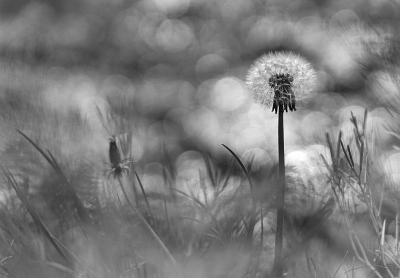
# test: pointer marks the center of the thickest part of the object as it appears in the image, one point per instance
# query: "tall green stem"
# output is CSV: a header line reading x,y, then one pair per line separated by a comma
x,y
278,264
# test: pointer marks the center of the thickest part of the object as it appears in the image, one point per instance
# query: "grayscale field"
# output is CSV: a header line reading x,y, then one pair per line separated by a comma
x,y
199,139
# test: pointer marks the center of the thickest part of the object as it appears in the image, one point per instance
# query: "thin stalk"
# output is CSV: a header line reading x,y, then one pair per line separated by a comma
x,y
278,265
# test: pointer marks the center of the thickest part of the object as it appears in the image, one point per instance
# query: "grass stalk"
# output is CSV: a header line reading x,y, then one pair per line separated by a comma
x,y
144,196
252,223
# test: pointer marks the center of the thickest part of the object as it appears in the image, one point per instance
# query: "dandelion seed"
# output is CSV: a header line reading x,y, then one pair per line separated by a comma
x,y
280,78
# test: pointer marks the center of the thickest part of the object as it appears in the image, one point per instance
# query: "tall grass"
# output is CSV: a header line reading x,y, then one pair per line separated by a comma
x,y
60,216
221,228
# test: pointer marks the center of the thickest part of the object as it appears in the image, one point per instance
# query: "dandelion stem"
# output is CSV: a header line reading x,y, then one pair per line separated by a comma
x,y
278,265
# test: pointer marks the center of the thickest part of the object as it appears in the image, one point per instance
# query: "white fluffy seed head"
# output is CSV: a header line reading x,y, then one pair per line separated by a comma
x,y
275,64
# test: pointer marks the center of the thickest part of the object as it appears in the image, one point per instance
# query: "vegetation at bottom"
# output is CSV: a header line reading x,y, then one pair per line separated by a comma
x,y
76,214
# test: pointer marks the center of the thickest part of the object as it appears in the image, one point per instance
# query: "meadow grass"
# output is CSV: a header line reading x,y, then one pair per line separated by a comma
x,y
61,216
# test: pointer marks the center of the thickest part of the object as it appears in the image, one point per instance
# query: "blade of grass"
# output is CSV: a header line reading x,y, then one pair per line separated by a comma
x,y
365,121
217,233
209,170
241,166
56,265
169,164
167,215
203,206
254,201
315,268
83,214
341,263
328,141
244,222
361,157
144,195
397,234
251,161
338,147
351,157
227,176
203,187
103,121
345,154
33,214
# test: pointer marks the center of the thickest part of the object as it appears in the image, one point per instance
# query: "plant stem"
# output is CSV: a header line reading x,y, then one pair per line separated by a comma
x,y
278,264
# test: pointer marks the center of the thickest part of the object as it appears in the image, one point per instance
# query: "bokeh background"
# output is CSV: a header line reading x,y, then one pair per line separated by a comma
x,y
167,77
181,65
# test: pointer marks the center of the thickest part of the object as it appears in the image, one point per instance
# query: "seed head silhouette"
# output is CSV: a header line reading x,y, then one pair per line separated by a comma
x,y
115,158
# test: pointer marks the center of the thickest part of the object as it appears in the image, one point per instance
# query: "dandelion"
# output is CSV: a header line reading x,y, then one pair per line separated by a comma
x,y
279,80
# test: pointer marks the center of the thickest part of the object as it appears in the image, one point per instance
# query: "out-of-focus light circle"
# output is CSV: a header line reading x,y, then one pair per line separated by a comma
x,y
148,28
308,166
343,18
378,121
384,88
228,94
343,67
191,168
173,35
260,32
173,6
344,114
314,125
117,85
258,157
317,150
203,124
259,115
189,160
187,95
211,64
92,109
136,149
153,180
242,137
392,167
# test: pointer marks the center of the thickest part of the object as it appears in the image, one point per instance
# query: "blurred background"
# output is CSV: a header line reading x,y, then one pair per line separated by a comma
x,y
170,74
167,78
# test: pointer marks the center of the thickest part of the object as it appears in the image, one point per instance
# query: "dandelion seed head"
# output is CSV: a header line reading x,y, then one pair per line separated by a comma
x,y
280,77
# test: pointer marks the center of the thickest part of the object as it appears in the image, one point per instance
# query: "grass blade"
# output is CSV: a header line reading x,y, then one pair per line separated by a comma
x,y
328,141
345,153
341,263
32,212
83,214
338,147
209,170
241,166
144,195
214,219
254,202
202,223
